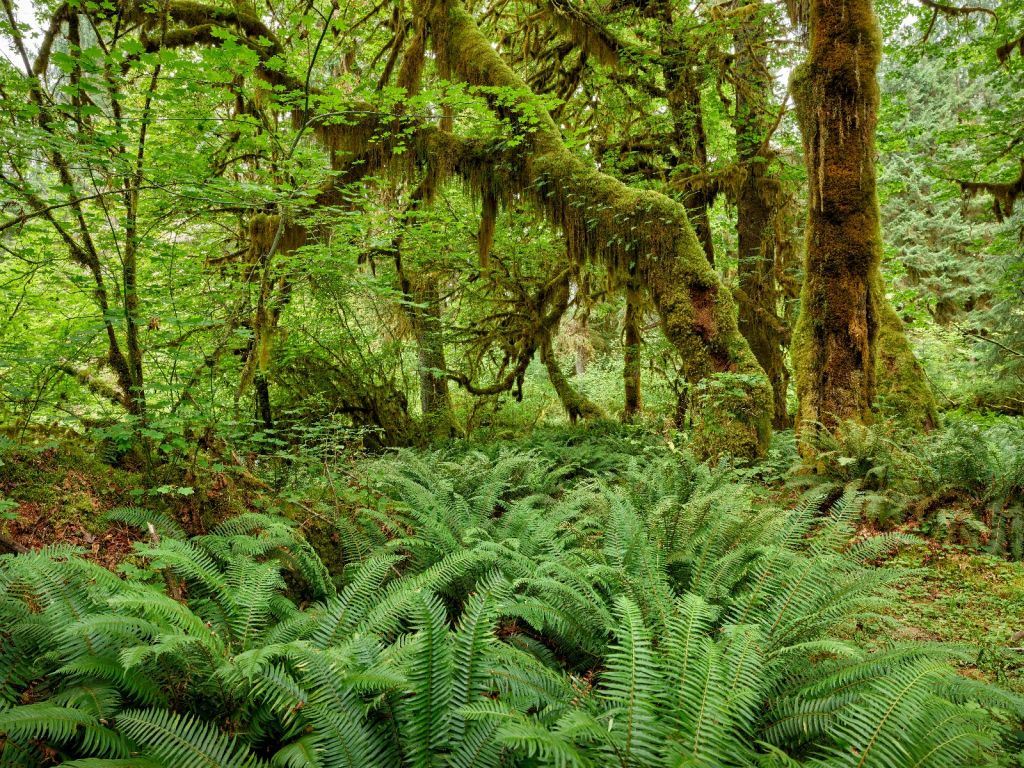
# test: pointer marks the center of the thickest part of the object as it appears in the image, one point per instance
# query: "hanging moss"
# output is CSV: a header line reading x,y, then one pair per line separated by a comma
x,y
1004,195
585,30
268,236
605,221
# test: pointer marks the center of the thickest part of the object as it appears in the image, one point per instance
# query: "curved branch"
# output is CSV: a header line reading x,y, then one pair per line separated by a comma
x,y
957,10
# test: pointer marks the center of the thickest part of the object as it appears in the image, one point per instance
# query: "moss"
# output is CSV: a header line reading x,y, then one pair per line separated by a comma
x,y
577,405
731,415
66,483
488,220
584,29
955,597
901,387
844,313
625,229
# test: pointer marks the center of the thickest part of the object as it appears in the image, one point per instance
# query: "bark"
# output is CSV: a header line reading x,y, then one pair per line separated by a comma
x,y
264,414
604,219
632,341
435,399
756,209
576,404
843,304
579,331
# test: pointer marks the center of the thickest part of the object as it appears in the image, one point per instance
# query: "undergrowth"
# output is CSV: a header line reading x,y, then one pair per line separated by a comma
x,y
497,608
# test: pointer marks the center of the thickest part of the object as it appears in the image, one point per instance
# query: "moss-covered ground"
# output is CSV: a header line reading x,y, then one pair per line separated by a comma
x,y
958,596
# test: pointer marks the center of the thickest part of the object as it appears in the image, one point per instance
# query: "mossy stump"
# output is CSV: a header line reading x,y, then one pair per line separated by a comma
x,y
731,415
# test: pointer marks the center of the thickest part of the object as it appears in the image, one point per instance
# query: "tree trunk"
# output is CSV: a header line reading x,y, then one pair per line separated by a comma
x,y
843,304
756,209
603,219
435,399
633,338
901,385
264,414
577,406
682,84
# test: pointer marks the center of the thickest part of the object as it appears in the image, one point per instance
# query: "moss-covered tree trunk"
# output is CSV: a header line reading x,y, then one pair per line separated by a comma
x,y
576,404
843,304
680,69
756,209
632,341
604,219
428,329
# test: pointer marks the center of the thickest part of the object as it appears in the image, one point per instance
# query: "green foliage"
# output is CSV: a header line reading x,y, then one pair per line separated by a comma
x,y
872,459
980,468
512,616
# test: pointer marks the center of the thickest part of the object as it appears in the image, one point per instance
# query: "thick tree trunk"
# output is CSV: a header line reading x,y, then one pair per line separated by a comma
x,y
843,304
756,209
632,341
604,219
836,94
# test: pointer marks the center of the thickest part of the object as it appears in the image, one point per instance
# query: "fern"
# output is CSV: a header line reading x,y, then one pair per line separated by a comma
x,y
184,742
653,617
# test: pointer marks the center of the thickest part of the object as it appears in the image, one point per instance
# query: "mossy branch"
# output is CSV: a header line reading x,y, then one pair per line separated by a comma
x,y
606,221
1004,195
585,30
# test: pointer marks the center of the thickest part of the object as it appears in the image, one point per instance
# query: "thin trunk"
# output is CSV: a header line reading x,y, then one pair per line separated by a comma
x,y
264,414
632,341
577,405
682,83
425,317
129,269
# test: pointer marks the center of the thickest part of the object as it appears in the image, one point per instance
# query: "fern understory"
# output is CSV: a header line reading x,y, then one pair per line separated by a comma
x,y
497,608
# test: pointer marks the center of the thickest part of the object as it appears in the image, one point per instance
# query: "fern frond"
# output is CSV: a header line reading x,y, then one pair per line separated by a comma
x,y
184,742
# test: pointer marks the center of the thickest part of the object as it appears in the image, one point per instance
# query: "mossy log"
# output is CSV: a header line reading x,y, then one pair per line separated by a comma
x,y
843,303
605,220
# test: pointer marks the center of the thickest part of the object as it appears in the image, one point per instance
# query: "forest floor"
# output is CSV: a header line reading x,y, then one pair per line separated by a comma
x,y
60,494
957,596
